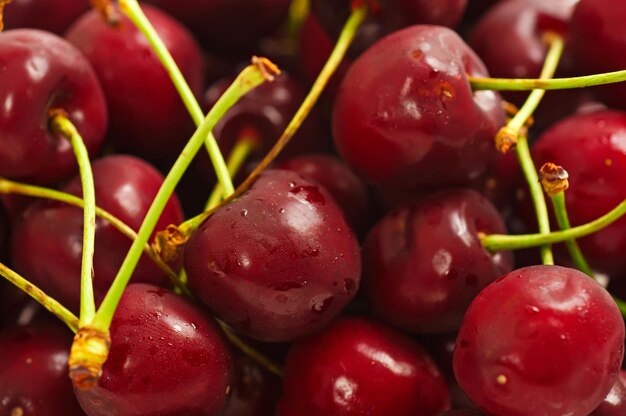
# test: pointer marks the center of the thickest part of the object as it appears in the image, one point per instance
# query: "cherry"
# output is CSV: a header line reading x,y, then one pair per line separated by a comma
x,y
220,24
536,352
33,372
166,358
42,72
125,186
345,187
357,367
461,412
592,148
614,404
285,262
597,37
424,262
50,15
148,118
407,115
18,309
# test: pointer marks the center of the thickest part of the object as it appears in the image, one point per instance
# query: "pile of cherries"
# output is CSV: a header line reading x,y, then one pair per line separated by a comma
x,y
354,267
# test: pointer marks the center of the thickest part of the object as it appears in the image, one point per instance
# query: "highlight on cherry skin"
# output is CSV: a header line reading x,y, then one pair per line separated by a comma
x,y
297,207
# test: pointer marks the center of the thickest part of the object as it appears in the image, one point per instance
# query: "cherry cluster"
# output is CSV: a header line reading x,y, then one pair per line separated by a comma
x,y
419,213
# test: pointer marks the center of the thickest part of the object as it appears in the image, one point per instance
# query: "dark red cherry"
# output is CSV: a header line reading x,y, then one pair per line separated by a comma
x,y
614,404
356,367
461,412
285,262
17,308
50,15
125,187
532,341
166,358
33,372
147,116
424,263
597,37
406,114
228,26
592,148
345,187
41,72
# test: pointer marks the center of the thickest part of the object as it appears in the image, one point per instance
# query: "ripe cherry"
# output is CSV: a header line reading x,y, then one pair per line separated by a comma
x,y
285,262
50,15
614,404
357,367
166,358
42,72
125,186
406,114
536,352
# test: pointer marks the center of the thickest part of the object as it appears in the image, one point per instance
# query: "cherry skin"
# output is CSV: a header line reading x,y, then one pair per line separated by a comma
x,y
614,404
285,263
42,72
406,114
345,187
594,23
34,376
592,148
125,187
166,358
148,118
357,367
535,353
50,15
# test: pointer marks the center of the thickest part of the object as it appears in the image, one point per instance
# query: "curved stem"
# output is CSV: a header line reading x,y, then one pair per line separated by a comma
x,y
63,126
10,187
133,11
251,77
46,301
495,242
560,212
526,84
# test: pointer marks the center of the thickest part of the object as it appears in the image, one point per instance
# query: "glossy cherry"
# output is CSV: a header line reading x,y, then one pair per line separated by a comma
x,y
614,404
345,187
33,372
597,37
166,358
356,367
424,263
285,262
125,186
42,72
592,148
147,116
50,15
531,342
406,114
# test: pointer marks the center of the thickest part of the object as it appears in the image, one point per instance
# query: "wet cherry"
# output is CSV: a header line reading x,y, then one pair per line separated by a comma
x,y
614,404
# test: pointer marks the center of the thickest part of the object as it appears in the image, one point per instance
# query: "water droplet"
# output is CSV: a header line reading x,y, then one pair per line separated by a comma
x,y
244,213
349,285
310,194
281,210
319,304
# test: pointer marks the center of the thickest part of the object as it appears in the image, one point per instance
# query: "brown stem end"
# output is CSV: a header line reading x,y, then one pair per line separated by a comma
x,y
169,243
554,179
107,11
89,352
506,139
2,4
268,69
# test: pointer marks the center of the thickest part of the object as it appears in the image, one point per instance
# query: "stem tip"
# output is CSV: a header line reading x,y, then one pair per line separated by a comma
x,y
89,352
554,179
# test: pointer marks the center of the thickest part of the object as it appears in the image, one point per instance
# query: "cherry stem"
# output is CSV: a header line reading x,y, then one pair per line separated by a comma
x,y
560,212
298,12
133,11
250,78
62,125
46,301
245,145
495,242
526,84
10,187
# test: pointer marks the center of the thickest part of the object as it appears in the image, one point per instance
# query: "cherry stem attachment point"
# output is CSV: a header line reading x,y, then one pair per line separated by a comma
x,y
67,317
61,124
133,11
107,11
250,78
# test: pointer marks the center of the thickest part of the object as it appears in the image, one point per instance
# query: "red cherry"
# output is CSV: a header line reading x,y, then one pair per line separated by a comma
x,y
50,15
614,404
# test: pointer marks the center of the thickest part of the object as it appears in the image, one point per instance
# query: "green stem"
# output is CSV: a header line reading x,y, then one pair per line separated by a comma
x,y
46,301
10,187
536,192
243,147
495,242
526,84
133,11
621,305
250,78
62,125
560,212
